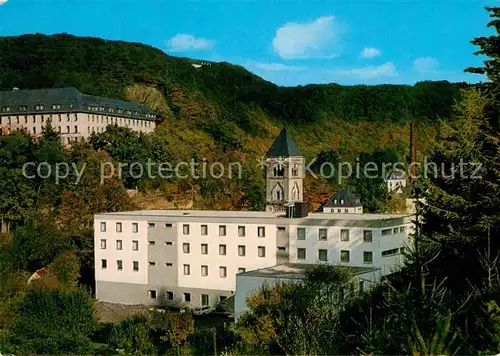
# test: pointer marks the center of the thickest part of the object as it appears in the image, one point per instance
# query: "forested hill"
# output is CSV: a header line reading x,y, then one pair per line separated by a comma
x,y
223,105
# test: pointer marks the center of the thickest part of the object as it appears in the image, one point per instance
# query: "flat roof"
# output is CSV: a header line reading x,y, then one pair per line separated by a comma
x,y
297,271
252,215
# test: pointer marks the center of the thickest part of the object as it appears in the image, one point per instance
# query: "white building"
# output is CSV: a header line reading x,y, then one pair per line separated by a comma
x,y
247,283
160,257
396,182
343,201
75,116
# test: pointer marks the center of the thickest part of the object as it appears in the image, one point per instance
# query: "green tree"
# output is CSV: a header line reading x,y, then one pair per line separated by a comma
x,y
132,336
54,323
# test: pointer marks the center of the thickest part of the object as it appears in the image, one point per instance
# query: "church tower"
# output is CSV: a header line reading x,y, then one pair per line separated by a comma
x,y
285,173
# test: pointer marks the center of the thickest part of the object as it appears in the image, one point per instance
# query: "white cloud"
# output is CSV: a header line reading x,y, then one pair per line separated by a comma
x,y
277,67
184,43
370,52
384,70
426,64
295,40
3,2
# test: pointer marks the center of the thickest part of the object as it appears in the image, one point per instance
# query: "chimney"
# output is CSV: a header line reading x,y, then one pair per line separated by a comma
x,y
413,151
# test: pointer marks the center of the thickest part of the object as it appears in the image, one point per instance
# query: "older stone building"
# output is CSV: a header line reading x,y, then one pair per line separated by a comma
x,y
73,114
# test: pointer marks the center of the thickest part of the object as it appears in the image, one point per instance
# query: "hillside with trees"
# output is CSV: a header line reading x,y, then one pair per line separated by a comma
x,y
445,301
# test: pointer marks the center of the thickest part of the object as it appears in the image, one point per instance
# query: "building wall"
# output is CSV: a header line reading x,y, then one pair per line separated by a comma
x,y
232,261
288,183
349,210
127,255
72,126
161,254
247,285
356,245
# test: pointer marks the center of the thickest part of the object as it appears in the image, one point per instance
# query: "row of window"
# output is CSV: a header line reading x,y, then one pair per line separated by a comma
x,y
186,297
107,120
261,230
121,121
345,255
186,268
10,120
119,227
120,111
119,245
37,107
395,230
242,250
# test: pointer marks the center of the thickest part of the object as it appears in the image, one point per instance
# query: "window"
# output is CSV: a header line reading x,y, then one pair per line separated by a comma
x,y
205,300
301,253
152,243
187,270
169,264
261,231
152,264
301,233
103,227
242,250
119,265
367,236
204,230
169,295
135,245
402,229
261,251
222,230
241,270
346,210
281,248
187,297
135,228
345,256
223,272
103,244
222,250
185,247
241,231
344,235
104,264
204,249
118,227
367,257
386,232
168,225
388,253
185,229
75,129
152,294
168,243
323,255
119,245
204,270
151,224
136,266
322,234
396,230
361,286
67,129
402,250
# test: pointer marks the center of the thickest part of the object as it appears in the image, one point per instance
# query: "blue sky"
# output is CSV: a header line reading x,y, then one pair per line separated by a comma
x,y
286,42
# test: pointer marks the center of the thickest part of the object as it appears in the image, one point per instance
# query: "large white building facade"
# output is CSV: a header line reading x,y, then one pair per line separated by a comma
x,y
192,258
74,115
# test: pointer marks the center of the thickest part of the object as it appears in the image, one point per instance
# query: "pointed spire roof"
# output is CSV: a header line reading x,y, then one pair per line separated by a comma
x,y
284,146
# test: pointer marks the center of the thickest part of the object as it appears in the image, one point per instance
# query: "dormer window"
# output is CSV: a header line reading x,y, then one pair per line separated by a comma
x,y
23,108
56,106
341,201
6,109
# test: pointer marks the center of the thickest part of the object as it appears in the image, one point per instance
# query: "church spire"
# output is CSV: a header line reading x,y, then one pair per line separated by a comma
x,y
284,146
